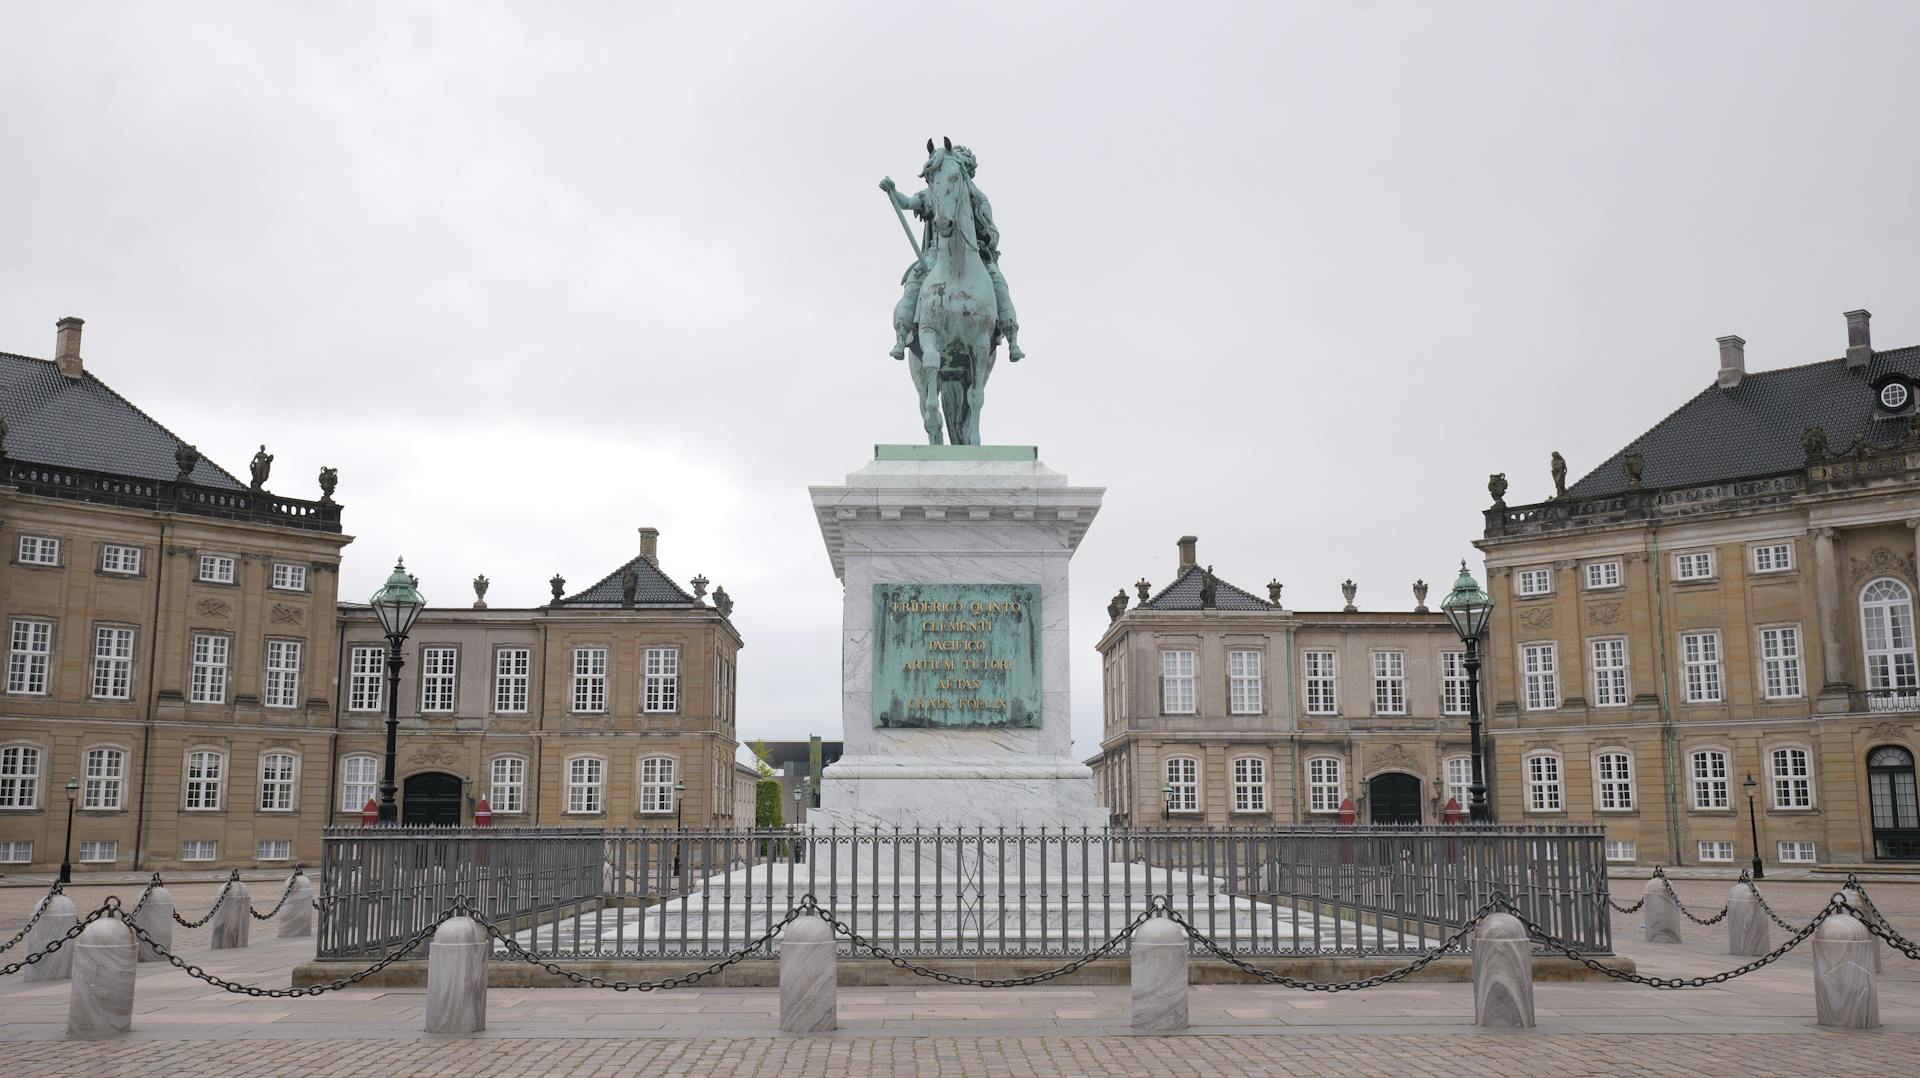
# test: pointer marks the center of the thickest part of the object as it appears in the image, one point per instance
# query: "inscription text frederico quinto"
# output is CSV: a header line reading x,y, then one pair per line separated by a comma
x,y
956,655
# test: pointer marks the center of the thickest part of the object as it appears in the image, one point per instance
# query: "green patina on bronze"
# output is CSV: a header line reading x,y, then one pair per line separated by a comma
x,y
956,452
956,655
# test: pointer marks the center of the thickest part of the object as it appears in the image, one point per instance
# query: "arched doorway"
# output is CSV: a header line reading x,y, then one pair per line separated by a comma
x,y
431,798
1393,797
1895,804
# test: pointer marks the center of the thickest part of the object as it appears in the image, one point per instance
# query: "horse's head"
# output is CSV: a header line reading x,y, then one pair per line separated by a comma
x,y
949,174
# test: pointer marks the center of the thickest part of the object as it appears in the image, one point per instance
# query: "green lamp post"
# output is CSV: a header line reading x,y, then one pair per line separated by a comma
x,y
397,604
1470,608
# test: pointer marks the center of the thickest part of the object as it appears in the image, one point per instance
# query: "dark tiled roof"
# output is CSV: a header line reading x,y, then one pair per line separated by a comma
x,y
55,420
1755,427
653,588
1184,594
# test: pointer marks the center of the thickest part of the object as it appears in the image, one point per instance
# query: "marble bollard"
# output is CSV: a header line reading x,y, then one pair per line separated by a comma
x,y
156,920
101,1001
1746,922
54,922
457,977
1502,973
809,977
1160,977
296,914
1661,911
1844,993
233,921
1868,911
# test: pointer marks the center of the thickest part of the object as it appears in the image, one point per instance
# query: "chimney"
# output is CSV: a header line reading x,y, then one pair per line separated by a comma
x,y
66,347
1859,339
1733,361
1189,551
650,545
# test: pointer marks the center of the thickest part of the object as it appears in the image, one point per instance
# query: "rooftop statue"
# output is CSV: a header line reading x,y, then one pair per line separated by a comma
x,y
954,308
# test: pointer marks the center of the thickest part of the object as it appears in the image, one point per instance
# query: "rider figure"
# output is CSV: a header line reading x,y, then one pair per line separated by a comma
x,y
988,238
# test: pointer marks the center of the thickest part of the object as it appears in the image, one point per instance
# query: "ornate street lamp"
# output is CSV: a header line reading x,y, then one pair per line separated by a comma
x,y
1469,608
1166,802
679,799
397,605
1753,824
66,859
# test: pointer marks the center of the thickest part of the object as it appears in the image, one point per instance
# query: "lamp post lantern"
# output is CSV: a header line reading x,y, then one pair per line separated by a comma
x,y
1166,802
397,604
1753,825
66,859
679,800
1470,608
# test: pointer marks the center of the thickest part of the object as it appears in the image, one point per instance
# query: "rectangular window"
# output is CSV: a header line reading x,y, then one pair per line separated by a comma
x,y
19,777
112,663
507,784
120,559
1460,781
510,680
99,853
1323,784
105,775
1603,574
1773,557
276,782
1609,672
283,674
359,779
439,670
366,682
662,694
1780,662
1543,784
1249,784
39,550
657,775
1622,851
589,680
1176,682
16,853
1709,770
197,851
1694,566
216,569
205,769
1795,853
1700,655
1534,582
209,682
1244,696
1389,683
29,655
1321,696
1540,664
289,577
1716,850
1792,772
273,849
586,780
1613,777
1183,784
1454,697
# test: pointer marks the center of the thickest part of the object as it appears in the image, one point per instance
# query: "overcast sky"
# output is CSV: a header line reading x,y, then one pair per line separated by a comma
x,y
1293,278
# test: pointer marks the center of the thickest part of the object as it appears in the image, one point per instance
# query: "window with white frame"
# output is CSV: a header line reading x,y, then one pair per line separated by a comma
x,y
208,683
39,550
439,673
1249,784
13,852
359,781
206,771
1176,682
1620,850
1322,698
1389,683
198,850
1794,853
1544,792
289,577
29,656
20,767
112,663
1790,768
507,784
216,569
657,776
1700,657
586,784
104,778
589,680
1244,696
1324,784
1695,565
1455,698
1540,671
1780,662
1183,784
1886,618
366,678
511,667
1609,672
1602,574
276,781
1716,850
1708,768
99,852
1613,782
282,687
1533,582
1772,557
273,849
120,559
662,688
1459,776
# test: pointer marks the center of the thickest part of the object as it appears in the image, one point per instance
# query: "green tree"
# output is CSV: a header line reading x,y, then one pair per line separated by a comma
x,y
766,791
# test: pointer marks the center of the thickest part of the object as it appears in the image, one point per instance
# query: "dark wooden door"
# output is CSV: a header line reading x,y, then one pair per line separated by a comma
x,y
431,798
1393,798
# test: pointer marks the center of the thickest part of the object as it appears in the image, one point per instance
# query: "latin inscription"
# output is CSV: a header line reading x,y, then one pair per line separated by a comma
x,y
956,655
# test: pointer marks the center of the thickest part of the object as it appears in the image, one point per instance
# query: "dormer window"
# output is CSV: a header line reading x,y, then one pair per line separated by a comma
x,y
1893,395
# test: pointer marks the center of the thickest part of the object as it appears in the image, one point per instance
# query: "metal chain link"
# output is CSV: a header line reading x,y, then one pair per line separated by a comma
x,y
292,993
78,927
1893,939
222,897
1767,909
1448,945
514,948
1618,908
1684,912
1157,908
1554,943
284,895
38,909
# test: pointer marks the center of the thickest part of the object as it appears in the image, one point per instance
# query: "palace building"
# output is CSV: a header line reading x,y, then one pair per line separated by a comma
x,y
1722,615
1225,709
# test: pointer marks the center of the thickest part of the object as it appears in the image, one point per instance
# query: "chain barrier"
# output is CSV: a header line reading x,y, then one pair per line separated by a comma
x,y
1682,906
294,993
112,904
218,899
1554,943
1618,908
514,948
144,895
38,909
1766,907
1447,946
1157,907
1892,939
284,895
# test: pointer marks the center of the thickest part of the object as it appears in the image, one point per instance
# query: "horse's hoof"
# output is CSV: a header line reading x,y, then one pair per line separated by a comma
x,y
1014,354
898,352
